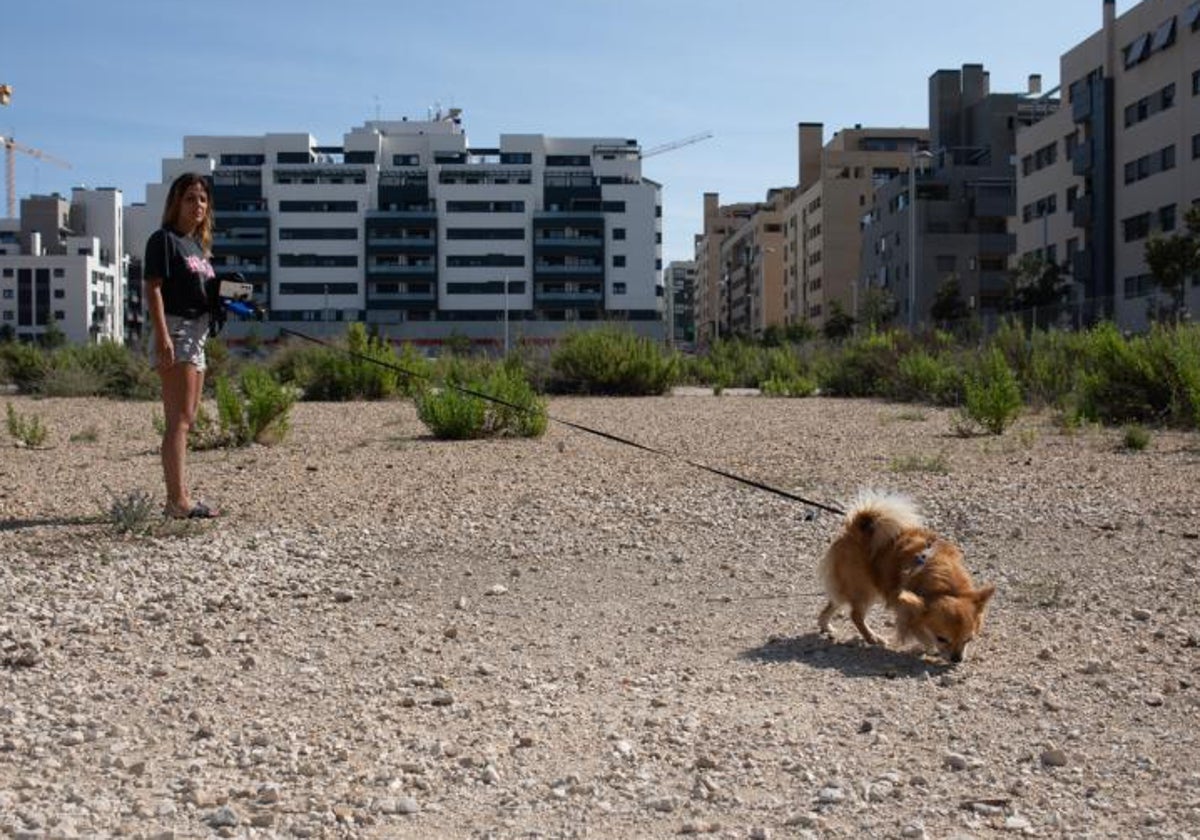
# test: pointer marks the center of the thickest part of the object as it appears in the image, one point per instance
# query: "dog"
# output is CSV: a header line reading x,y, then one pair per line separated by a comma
x,y
886,553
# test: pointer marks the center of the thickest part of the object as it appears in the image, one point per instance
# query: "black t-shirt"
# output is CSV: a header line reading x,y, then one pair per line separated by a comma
x,y
180,263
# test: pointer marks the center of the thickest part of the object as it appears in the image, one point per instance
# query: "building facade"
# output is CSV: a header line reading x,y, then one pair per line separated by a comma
x,y
407,228
712,303
943,222
823,220
1119,162
63,262
679,281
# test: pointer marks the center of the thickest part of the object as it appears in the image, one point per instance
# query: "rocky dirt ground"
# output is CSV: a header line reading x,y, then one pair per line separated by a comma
x,y
391,636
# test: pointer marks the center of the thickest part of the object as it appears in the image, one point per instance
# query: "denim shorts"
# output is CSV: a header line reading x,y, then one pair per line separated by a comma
x,y
188,335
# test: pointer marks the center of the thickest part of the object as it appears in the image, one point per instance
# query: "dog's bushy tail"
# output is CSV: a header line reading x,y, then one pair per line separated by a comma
x,y
882,515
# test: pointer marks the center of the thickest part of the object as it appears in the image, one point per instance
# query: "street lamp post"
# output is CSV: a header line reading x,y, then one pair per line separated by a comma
x,y
924,156
506,314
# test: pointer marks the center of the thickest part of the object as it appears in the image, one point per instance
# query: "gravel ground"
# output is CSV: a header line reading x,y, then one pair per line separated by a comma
x,y
391,636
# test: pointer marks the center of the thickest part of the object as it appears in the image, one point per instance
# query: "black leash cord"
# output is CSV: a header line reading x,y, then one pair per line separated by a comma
x,y
749,482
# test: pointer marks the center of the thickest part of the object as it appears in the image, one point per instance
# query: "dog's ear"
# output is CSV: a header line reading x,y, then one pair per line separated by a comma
x,y
910,600
983,594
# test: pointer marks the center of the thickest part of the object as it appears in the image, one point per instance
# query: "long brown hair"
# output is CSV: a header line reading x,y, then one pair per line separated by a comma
x,y
175,198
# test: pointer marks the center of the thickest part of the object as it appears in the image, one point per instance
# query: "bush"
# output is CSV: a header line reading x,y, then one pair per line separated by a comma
x,y
923,377
258,413
332,374
612,361
24,365
28,430
993,397
1134,438
451,414
861,368
796,386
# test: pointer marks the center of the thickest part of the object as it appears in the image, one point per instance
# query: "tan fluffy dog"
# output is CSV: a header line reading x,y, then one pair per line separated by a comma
x,y
885,553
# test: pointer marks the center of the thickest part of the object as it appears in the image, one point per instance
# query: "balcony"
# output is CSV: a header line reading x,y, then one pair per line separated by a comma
x,y
389,269
1084,212
1081,266
571,243
549,270
420,243
1084,159
566,298
1081,104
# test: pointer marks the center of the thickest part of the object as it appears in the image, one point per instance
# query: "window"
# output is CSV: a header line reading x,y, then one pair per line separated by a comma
x,y
618,261
8,293
1138,286
58,272
1164,36
618,233
1195,146
618,288
406,160
946,262
59,315
1166,218
1196,83
1136,227
485,233
59,294
1072,197
8,315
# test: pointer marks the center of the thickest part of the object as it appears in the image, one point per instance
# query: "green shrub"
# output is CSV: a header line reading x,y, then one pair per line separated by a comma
x,y
30,430
993,397
258,412
1135,438
1120,384
795,386
24,365
451,414
613,361
333,374
133,513
923,377
863,367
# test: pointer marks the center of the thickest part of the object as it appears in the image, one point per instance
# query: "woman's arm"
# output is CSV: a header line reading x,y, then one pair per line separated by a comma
x,y
164,348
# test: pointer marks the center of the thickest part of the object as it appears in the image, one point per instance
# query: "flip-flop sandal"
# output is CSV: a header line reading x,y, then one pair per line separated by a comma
x,y
197,511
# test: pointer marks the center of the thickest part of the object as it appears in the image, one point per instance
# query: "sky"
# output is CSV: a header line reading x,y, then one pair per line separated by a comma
x,y
112,88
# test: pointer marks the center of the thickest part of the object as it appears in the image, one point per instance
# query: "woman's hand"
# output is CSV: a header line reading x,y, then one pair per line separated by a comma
x,y
164,351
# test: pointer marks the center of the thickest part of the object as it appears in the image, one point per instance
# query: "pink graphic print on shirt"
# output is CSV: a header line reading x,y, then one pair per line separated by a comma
x,y
200,266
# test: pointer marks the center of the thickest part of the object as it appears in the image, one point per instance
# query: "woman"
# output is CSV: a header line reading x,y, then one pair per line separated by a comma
x,y
176,268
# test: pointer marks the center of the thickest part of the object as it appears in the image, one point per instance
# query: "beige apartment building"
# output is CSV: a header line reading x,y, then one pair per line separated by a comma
x,y
711,300
823,220
1120,162
752,269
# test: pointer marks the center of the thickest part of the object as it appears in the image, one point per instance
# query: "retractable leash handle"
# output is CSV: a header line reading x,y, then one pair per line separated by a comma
x,y
231,292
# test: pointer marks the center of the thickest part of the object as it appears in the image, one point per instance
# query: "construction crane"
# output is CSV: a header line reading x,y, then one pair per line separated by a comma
x,y
675,144
11,146
10,167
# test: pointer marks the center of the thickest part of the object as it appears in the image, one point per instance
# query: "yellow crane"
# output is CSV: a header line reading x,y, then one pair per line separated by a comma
x,y
11,146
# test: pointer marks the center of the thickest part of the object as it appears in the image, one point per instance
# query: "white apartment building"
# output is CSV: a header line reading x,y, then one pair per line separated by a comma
x,y
1119,162
64,262
407,228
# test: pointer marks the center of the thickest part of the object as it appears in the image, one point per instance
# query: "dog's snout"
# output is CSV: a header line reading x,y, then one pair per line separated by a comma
x,y
956,656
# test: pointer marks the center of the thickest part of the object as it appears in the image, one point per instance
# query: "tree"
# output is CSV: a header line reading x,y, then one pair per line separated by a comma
x,y
53,337
1174,259
839,324
1038,285
878,308
948,307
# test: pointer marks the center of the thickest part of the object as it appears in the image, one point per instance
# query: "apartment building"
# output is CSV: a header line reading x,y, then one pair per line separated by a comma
x,y
822,221
752,269
1121,163
679,282
944,220
712,301
63,262
407,228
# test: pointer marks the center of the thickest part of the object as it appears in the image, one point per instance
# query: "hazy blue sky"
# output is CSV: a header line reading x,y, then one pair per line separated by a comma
x,y
113,87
